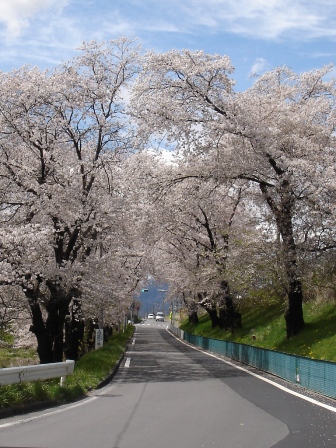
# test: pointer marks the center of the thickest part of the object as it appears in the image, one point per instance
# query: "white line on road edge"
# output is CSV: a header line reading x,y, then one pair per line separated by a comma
x,y
296,394
47,414
127,363
64,408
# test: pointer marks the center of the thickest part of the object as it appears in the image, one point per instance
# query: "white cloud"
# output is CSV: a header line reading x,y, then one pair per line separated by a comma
x,y
45,32
16,14
265,18
259,65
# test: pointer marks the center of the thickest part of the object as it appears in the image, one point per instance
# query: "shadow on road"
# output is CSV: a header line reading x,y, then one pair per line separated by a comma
x,y
158,357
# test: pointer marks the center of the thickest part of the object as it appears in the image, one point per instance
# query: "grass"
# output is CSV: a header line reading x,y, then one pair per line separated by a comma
x,y
264,326
89,371
10,357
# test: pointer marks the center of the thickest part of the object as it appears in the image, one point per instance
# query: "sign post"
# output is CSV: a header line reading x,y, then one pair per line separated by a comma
x,y
99,338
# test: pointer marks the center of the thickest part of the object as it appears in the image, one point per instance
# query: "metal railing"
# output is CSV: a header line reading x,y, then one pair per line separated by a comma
x,y
318,376
16,375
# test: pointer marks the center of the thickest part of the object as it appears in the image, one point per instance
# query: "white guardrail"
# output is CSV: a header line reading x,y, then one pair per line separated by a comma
x,y
15,375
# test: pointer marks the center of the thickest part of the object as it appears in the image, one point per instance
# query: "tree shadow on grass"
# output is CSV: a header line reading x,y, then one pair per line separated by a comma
x,y
316,331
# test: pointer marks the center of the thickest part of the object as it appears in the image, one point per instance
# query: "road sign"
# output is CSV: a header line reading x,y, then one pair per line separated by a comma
x,y
99,338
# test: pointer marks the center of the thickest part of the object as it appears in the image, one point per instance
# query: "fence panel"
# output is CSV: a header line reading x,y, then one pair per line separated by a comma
x,y
316,375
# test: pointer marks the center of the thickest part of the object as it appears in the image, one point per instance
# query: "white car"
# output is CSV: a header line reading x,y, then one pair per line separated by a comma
x,y
159,316
150,316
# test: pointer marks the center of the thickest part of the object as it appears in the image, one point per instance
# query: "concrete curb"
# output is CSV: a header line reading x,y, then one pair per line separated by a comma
x,y
113,372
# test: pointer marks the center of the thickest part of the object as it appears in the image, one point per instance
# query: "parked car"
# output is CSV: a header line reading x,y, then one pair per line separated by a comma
x,y
151,316
159,316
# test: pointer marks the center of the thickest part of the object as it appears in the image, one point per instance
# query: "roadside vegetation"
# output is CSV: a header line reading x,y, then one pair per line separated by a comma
x,y
89,372
263,326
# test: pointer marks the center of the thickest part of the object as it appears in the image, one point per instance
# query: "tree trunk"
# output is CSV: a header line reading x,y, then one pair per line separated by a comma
x,y
193,317
213,317
210,307
283,213
74,338
74,331
229,318
50,333
44,342
192,309
57,309
294,314
90,326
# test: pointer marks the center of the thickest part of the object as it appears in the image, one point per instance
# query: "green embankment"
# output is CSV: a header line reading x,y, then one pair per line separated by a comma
x,y
264,326
89,371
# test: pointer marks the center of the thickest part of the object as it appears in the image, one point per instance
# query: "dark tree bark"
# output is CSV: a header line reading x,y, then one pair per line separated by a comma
x,y
220,308
44,341
49,333
294,314
283,212
210,308
108,331
193,318
90,326
192,308
58,309
229,317
74,331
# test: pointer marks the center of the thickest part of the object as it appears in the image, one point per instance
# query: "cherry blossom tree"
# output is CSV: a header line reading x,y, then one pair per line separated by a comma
x,y
63,136
85,215
277,135
190,227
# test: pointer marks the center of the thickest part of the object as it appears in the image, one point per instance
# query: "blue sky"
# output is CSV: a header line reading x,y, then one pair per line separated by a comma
x,y
257,35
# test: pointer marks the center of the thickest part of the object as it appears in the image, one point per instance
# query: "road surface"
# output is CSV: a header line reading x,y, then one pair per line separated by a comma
x,y
169,395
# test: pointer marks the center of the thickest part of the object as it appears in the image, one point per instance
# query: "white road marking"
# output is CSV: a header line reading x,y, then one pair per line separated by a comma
x,y
64,408
47,414
127,363
296,394
89,400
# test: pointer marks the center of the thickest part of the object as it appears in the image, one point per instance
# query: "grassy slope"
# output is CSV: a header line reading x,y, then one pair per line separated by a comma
x,y
89,371
17,357
266,323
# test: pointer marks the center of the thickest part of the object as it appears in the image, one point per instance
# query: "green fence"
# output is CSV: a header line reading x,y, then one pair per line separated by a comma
x,y
318,376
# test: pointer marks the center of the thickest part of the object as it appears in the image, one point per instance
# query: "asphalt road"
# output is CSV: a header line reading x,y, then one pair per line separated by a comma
x,y
166,394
